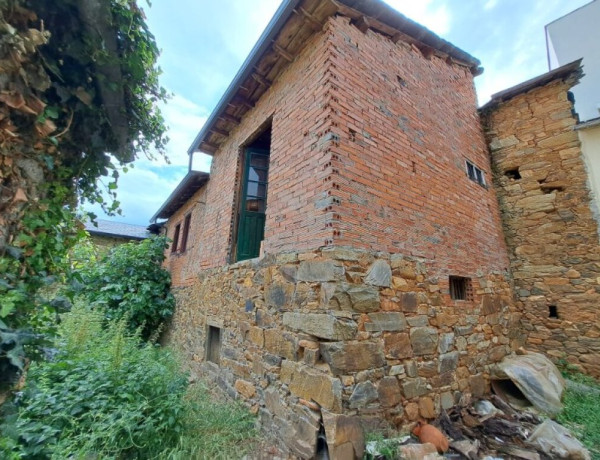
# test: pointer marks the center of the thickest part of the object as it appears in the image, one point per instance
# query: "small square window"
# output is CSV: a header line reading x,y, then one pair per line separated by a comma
x,y
176,238
475,174
213,344
460,288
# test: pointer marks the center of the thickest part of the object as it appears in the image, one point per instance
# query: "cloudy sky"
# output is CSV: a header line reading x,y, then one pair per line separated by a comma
x,y
204,43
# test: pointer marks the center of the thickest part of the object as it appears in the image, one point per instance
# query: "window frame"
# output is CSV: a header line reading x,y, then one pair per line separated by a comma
x,y
176,233
475,173
185,234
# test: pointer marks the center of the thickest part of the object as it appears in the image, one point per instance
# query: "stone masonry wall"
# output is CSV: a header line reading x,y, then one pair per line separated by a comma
x,y
308,339
551,233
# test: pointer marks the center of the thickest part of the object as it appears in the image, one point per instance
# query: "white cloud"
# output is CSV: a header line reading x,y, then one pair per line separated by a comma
x,y
141,192
432,14
252,19
184,119
490,4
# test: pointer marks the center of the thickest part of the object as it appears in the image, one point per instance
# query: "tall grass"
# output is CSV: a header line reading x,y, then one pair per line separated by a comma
x,y
108,395
580,413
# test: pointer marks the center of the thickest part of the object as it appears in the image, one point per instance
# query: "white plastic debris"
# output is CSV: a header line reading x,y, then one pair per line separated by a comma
x,y
558,442
484,407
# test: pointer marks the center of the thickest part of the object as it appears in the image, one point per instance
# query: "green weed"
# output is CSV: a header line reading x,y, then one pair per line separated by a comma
x,y
108,395
580,413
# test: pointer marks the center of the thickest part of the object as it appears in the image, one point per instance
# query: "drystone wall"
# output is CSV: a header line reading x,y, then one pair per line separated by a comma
x,y
324,341
550,230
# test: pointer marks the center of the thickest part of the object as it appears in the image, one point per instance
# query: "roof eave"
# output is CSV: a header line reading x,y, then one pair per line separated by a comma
x,y
416,31
572,70
263,43
185,182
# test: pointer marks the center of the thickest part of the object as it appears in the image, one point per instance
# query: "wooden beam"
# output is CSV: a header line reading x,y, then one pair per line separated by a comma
x,y
220,132
314,22
209,147
362,24
243,101
261,80
226,117
402,37
426,51
283,53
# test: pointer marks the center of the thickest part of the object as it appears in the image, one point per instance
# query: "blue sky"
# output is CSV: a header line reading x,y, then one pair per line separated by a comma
x,y
204,43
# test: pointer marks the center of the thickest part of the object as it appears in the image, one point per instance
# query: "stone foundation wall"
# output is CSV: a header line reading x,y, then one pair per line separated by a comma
x,y
310,340
549,226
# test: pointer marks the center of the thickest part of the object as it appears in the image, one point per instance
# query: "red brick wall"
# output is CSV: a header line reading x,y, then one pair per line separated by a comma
x,y
295,103
183,265
360,158
406,124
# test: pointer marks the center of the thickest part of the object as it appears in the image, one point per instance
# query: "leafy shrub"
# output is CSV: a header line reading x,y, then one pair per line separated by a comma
x,y
107,395
128,282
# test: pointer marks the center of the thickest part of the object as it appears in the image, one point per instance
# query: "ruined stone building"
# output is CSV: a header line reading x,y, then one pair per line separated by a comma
x,y
345,261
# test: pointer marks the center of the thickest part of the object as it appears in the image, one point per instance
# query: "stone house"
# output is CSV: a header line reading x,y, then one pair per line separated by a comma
x,y
107,234
344,262
549,216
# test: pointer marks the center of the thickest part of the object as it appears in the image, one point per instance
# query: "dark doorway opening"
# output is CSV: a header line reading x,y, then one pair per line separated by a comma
x,y
253,202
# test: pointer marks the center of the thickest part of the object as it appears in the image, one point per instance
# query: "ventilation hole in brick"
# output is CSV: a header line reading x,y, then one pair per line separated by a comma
x,y
552,311
414,167
460,288
513,174
401,81
352,135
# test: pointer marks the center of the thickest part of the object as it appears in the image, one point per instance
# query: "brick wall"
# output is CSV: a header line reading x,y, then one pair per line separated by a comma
x,y
183,265
296,177
406,124
369,143
550,230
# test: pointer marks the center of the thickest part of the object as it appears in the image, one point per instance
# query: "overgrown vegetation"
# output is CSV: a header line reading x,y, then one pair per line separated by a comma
x,y
128,282
385,446
580,413
106,395
78,102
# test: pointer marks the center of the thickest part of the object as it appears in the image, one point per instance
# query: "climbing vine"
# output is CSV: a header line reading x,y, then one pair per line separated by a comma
x,y
78,100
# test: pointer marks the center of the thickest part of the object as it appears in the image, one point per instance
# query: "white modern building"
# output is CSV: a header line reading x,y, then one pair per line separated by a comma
x,y
571,37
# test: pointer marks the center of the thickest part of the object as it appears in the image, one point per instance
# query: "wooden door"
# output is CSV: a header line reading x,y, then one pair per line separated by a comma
x,y
253,204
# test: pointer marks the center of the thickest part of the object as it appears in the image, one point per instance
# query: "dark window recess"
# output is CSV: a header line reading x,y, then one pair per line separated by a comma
x,y
253,205
513,173
475,174
213,344
186,231
552,311
176,238
401,81
460,288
